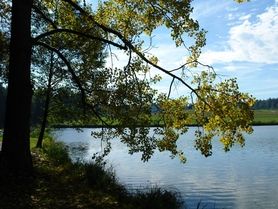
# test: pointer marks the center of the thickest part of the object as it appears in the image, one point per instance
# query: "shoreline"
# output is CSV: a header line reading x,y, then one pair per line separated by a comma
x,y
151,126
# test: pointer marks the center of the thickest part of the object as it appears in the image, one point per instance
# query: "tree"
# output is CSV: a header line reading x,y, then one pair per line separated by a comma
x,y
266,104
124,95
49,72
16,156
47,102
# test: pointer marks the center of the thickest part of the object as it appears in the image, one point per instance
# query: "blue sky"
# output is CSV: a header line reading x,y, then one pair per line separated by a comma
x,y
242,42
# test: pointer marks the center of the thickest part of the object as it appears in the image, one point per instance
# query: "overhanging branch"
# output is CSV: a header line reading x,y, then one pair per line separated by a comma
x,y
78,34
129,45
135,50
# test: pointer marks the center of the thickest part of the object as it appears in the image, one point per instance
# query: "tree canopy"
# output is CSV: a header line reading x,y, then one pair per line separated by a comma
x,y
123,96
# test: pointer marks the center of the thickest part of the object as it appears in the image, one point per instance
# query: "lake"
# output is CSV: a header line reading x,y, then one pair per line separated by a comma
x,y
243,178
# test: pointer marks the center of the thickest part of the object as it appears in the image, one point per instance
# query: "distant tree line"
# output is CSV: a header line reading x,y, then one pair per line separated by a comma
x,y
271,103
66,108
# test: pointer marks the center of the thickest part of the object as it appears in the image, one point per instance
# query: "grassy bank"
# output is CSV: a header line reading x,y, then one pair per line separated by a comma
x,y
266,117
59,183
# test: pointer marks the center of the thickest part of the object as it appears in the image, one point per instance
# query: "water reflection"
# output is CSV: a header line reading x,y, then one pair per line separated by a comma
x,y
242,178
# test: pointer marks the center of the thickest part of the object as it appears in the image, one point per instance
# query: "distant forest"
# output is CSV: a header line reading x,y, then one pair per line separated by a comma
x,y
65,106
266,104
70,101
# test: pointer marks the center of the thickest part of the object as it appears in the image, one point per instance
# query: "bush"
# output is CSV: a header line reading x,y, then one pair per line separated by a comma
x,y
98,176
57,152
157,198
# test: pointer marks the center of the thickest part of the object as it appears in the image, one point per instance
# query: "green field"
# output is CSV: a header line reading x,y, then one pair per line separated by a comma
x,y
266,117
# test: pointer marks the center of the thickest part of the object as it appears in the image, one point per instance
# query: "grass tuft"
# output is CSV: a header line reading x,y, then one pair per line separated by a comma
x,y
104,179
157,198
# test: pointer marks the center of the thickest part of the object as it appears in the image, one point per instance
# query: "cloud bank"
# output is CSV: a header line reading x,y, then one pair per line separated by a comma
x,y
253,40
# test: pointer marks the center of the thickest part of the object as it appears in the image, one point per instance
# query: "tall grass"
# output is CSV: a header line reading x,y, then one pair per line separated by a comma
x,y
157,198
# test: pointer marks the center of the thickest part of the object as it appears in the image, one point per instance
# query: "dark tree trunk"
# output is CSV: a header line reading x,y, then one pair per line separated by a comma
x,y
46,104
15,156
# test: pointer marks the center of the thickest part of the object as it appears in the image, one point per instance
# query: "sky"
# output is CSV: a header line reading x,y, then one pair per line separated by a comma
x,y
242,42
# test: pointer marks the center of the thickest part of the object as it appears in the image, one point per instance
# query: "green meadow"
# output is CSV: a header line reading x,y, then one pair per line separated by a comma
x,y
261,117
266,117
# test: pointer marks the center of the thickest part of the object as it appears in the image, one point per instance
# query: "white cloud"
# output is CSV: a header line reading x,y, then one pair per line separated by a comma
x,y
245,17
250,41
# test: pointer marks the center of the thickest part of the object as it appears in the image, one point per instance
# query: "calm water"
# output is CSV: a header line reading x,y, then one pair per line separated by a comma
x,y
240,179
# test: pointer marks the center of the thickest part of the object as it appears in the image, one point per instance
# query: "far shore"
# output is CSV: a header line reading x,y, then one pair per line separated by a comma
x,y
256,123
151,126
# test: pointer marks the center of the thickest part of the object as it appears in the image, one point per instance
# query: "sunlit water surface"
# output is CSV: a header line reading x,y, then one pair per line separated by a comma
x,y
244,178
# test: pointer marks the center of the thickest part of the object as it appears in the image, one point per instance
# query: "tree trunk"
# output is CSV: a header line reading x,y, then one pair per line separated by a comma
x,y
46,104
15,156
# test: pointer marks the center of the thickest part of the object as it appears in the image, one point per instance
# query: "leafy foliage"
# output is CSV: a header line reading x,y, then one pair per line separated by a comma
x,y
222,111
123,96
242,1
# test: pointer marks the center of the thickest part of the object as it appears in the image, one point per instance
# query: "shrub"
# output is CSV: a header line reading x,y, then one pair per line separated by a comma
x,y
98,176
56,152
157,198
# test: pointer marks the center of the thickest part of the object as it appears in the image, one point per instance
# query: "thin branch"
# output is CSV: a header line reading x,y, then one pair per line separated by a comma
x,y
170,88
161,69
78,34
47,19
150,45
111,56
183,65
208,66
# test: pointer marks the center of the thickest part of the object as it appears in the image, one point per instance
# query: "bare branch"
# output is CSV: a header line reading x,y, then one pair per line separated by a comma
x,y
204,65
182,66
